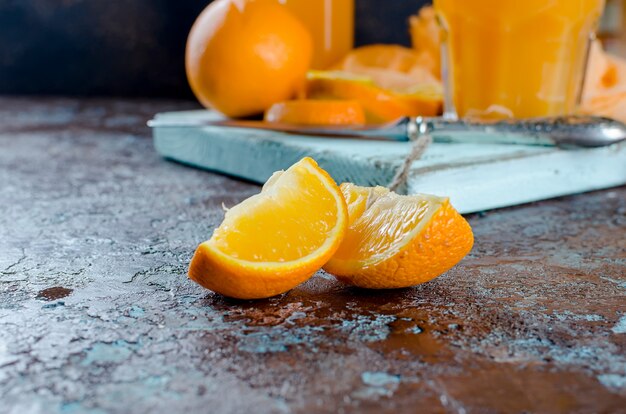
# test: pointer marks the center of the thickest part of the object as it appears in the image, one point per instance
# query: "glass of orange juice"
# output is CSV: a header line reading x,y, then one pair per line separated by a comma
x,y
522,58
331,23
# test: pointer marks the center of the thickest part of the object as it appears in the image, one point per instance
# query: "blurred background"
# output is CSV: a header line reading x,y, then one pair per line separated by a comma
x,y
136,47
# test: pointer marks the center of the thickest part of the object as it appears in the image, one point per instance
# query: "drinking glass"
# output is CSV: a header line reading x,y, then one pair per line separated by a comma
x,y
519,58
331,23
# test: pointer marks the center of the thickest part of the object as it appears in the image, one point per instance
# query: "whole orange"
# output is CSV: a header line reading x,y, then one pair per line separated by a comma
x,y
245,55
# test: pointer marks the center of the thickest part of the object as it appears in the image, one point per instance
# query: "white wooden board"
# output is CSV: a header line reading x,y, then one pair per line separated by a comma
x,y
475,177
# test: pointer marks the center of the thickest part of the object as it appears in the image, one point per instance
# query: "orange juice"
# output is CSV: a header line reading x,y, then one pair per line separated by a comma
x,y
331,23
526,57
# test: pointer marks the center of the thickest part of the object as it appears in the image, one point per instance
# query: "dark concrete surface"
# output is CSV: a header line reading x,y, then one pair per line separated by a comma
x,y
97,315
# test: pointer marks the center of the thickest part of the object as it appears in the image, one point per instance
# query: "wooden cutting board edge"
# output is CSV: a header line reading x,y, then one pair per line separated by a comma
x,y
517,178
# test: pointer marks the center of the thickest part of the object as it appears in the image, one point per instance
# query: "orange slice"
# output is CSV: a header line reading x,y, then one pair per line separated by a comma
x,y
275,240
381,105
396,241
317,112
390,66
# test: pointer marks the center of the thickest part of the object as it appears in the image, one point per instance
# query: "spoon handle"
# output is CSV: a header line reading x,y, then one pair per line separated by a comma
x,y
569,131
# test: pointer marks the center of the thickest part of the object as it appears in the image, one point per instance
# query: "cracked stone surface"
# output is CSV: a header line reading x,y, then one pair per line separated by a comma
x,y
97,315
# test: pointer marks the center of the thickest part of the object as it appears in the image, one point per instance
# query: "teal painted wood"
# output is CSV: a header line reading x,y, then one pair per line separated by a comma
x,y
475,177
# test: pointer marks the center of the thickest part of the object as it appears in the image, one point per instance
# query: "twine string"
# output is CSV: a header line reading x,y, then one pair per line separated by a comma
x,y
421,140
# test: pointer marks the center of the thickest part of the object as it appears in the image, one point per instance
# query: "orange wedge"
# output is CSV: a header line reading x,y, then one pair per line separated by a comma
x,y
380,105
396,241
390,66
316,112
605,85
275,240
426,38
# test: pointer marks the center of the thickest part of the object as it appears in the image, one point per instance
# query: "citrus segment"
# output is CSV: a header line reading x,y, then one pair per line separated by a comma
x,y
391,67
380,105
359,199
396,241
274,240
426,38
317,112
605,85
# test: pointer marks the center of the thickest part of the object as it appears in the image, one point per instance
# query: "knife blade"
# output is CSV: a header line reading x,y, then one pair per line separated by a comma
x,y
565,132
